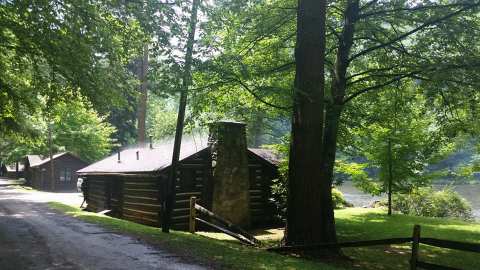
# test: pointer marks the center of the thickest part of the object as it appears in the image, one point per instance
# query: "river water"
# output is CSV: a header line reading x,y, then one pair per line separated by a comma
x,y
471,192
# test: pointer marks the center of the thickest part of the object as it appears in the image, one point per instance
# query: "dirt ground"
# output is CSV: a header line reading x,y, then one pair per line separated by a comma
x,y
32,236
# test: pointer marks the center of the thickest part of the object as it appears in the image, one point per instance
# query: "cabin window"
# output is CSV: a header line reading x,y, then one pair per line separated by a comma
x,y
66,175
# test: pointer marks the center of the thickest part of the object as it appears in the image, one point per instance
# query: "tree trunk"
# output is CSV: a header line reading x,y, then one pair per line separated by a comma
x,y
142,102
50,152
306,211
390,177
255,130
310,216
186,82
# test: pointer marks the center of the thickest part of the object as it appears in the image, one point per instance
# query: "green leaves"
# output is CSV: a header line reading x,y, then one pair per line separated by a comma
x,y
56,49
79,129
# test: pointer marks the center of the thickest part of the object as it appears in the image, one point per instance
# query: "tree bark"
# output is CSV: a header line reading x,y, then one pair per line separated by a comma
x,y
338,89
306,223
310,216
186,82
390,177
50,153
142,102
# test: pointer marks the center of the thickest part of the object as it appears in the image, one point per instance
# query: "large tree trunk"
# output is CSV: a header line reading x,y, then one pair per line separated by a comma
x,y
307,215
310,216
142,102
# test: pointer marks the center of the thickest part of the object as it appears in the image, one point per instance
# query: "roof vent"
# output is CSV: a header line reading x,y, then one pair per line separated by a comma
x,y
118,156
151,142
138,155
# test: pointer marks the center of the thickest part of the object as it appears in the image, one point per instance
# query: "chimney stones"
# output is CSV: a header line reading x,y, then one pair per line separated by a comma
x,y
231,198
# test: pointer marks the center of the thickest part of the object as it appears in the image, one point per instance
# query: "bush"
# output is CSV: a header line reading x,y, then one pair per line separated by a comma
x,y
279,197
429,203
338,199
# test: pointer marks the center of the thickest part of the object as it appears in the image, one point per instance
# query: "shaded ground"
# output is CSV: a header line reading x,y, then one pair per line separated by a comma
x,y
32,236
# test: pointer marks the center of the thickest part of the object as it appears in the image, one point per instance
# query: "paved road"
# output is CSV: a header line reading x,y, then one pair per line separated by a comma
x,y
32,236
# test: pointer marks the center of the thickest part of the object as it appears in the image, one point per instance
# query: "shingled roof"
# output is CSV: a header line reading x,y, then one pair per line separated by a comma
x,y
155,159
33,160
266,154
150,159
37,160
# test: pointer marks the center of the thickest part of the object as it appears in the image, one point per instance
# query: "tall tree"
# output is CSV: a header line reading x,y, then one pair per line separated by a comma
x,y
309,195
142,100
186,82
370,45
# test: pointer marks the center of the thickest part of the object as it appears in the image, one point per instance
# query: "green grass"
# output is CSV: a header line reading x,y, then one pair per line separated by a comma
x,y
352,224
364,224
223,254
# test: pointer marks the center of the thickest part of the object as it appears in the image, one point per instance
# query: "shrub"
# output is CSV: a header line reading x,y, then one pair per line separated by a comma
x,y
279,197
339,201
429,203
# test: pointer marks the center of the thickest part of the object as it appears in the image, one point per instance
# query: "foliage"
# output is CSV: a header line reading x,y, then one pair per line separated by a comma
x,y
280,192
55,49
75,127
161,118
79,129
339,201
403,134
430,203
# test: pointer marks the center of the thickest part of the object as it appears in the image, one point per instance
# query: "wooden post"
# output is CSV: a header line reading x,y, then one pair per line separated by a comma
x,y
193,215
415,245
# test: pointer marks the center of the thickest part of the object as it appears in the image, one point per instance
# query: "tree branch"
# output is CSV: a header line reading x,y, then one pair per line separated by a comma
x,y
421,27
418,8
256,96
396,79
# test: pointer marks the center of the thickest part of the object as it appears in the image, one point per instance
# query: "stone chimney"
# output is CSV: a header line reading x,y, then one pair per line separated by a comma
x,y
231,198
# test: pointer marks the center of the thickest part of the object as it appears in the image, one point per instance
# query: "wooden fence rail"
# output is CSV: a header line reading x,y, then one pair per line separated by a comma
x,y
389,241
222,225
456,245
451,244
238,233
415,239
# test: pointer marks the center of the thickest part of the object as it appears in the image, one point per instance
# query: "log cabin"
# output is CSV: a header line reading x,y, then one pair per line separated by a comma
x,y
222,173
13,171
38,171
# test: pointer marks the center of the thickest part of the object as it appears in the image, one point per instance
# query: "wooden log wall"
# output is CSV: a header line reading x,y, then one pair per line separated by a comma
x,y
193,179
141,200
96,193
263,211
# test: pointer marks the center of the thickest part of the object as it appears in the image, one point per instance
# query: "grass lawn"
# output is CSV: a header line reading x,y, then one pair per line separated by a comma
x,y
352,224
364,224
224,254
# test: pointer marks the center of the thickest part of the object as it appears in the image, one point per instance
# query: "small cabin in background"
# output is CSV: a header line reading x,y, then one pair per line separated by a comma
x,y
65,165
227,177
13,171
